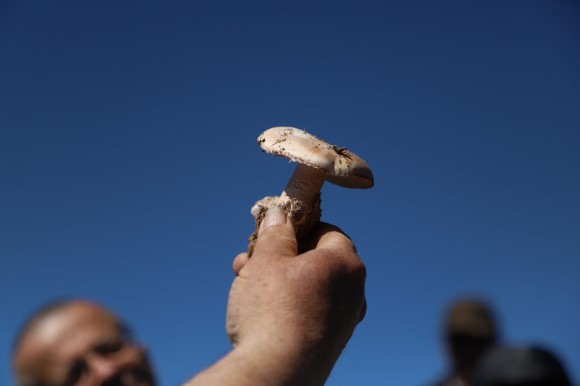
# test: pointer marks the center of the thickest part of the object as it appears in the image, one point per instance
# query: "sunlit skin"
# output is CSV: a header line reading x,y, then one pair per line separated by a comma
x,y
81,344
291,311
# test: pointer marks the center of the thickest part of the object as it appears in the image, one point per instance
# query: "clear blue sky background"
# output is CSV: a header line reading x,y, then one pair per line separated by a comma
x,y
128,163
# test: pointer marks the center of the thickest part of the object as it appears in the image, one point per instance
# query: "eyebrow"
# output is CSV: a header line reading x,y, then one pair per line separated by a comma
x,y
79,363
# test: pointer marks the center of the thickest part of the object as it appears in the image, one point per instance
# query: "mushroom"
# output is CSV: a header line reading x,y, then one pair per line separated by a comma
x,y
317,161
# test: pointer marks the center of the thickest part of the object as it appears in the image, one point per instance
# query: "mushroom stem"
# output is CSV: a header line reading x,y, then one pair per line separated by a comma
x,y
304,185
300,200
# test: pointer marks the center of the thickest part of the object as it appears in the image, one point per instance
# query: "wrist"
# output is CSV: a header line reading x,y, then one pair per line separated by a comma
x,y
262,362
283,360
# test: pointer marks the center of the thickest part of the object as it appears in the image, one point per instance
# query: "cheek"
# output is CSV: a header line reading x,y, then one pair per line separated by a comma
x,y
133,357
135,368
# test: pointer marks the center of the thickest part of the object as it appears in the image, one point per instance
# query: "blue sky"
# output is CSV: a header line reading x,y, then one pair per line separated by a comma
x,y
128,163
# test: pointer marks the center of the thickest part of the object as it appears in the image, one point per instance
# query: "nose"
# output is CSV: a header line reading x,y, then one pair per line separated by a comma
x,y
101,369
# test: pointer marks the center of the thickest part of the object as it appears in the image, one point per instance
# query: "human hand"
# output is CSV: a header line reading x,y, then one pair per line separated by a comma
x,y
294,313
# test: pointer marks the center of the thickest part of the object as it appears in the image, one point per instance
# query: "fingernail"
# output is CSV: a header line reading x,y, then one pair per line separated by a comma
x,y
274,216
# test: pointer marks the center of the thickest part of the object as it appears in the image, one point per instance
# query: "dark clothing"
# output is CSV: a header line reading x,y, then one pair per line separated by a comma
x,y
448,381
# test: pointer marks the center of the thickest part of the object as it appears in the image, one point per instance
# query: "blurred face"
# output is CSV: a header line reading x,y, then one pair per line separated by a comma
x,y
466,350
82,345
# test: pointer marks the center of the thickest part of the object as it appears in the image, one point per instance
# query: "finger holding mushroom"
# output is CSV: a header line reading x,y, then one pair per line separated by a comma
x,y
317,161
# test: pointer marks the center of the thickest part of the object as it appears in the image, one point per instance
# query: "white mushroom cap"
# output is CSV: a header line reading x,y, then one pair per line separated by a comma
x,y
341,166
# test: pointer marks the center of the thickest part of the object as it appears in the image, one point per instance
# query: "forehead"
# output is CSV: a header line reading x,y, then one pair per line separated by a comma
x,y
60,338
74,323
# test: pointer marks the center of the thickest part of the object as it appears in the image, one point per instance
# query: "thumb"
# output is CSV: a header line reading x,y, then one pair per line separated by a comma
x,y
276,235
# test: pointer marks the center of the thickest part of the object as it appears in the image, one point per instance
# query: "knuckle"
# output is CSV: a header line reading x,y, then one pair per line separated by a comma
x,y
358,273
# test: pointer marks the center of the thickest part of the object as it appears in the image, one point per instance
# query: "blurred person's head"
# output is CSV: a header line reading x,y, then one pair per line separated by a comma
x,y
520,366
78,343
469,331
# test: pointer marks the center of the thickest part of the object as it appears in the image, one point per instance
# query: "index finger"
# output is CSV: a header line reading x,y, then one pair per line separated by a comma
x,y
327,236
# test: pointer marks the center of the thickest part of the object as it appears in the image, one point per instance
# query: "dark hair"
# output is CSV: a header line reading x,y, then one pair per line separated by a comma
x,y
521,366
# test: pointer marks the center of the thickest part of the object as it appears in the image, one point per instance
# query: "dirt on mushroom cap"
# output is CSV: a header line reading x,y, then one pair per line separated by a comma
x,y
342,166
